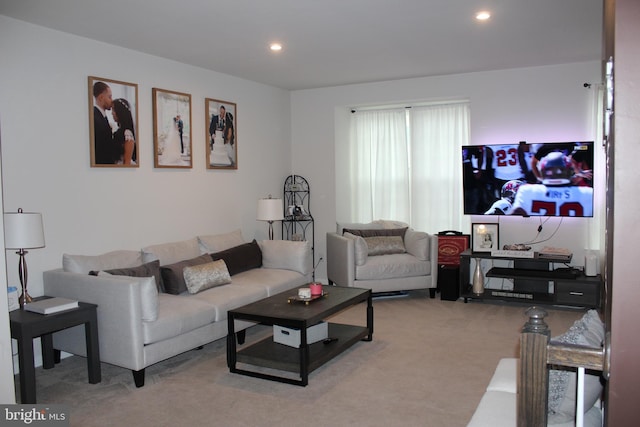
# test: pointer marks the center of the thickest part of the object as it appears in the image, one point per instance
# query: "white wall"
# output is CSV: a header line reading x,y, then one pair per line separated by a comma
x,y
7,391
531,104
46,157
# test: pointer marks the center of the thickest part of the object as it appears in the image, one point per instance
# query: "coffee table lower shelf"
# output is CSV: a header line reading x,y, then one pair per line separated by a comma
x,y
269,354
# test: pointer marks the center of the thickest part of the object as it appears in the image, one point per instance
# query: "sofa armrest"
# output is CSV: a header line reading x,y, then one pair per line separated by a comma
x,y
287,255
341,260
119,315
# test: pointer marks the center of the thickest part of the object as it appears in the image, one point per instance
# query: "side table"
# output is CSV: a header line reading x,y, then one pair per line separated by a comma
x,y
25,326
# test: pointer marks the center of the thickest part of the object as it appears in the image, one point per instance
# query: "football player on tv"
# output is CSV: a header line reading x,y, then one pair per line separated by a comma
x,y
503,205
557,195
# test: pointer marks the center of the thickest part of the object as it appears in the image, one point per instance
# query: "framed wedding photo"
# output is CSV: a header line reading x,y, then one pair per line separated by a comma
x,y
113,123
221,121
171,129
484,237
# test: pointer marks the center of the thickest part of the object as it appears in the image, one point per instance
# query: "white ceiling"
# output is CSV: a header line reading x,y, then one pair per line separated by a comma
x,y
333,42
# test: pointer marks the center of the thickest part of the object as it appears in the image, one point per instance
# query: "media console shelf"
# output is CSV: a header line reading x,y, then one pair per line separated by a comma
x,y
535,280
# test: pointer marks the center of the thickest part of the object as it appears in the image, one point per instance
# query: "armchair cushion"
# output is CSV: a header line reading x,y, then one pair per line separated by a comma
x,y
361,250
417,244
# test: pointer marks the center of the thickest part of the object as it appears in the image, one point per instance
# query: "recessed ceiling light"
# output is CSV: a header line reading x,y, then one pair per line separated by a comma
x,y
483,15
276,47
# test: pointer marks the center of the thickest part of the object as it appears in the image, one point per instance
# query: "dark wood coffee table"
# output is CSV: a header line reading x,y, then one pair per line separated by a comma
x,y
277,310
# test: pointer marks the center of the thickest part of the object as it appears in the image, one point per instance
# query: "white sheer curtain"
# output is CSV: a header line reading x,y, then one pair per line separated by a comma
x,y
379,157
412,176
437,134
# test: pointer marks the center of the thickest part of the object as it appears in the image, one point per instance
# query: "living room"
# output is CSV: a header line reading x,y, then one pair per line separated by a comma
x,y
46,164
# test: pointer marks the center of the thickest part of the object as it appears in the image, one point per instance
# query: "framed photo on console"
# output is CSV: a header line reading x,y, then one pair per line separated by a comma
x,y
484,237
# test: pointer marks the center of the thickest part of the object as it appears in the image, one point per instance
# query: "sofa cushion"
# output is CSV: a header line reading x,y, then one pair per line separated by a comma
x,y
205,276
83,264
417,244
589,331
148,295
169,253
145,270
173,276
227,297
393,266
361,250
177,315
384,245
287,255
372,232
240,258
273,280
220,242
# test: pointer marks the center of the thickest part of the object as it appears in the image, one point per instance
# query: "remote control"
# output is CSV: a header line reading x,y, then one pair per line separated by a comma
x,y
329,340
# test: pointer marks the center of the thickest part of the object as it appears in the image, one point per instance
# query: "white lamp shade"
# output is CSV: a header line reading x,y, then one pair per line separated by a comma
x,y
270,210
23,230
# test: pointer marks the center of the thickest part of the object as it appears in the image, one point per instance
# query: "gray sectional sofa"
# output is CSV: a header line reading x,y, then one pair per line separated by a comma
x,y
150,309
384,256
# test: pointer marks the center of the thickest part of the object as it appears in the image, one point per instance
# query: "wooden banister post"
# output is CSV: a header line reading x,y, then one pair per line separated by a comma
x,y
533,381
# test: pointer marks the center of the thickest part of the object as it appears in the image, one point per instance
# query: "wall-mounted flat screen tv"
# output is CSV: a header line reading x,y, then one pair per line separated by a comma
x,y
529,179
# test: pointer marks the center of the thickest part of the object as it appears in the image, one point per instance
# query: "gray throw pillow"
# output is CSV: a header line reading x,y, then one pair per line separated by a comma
x,y
145,270
173,277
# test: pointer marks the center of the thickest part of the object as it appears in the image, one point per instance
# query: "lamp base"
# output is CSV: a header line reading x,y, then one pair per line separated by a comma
x,y
25,298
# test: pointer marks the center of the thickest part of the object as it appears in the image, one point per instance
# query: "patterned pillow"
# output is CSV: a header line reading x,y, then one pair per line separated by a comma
x,y
589,331
206,276
377,232
384,245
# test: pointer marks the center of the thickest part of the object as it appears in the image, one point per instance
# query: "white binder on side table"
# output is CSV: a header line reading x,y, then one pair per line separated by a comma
x,y
51,305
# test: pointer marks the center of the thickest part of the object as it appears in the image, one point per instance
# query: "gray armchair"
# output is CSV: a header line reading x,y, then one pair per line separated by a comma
x,y
367,256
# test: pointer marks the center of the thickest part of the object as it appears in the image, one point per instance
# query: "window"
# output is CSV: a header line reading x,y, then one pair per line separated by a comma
x,y
404,165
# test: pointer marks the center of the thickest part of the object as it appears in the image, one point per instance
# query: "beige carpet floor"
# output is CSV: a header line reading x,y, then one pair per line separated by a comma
x,y
428,365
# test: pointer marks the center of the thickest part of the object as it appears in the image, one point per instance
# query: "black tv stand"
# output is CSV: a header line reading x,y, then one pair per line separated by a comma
x,y
532,278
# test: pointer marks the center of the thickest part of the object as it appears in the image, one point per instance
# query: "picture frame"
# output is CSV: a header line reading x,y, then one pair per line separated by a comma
x,y
221,121
484,237
113,123
172,146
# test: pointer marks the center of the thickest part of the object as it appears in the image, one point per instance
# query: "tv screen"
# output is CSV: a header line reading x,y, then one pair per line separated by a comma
x,y
544,179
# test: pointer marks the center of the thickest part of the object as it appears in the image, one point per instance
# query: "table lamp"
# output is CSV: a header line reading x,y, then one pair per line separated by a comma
x,y
270,210
23,230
